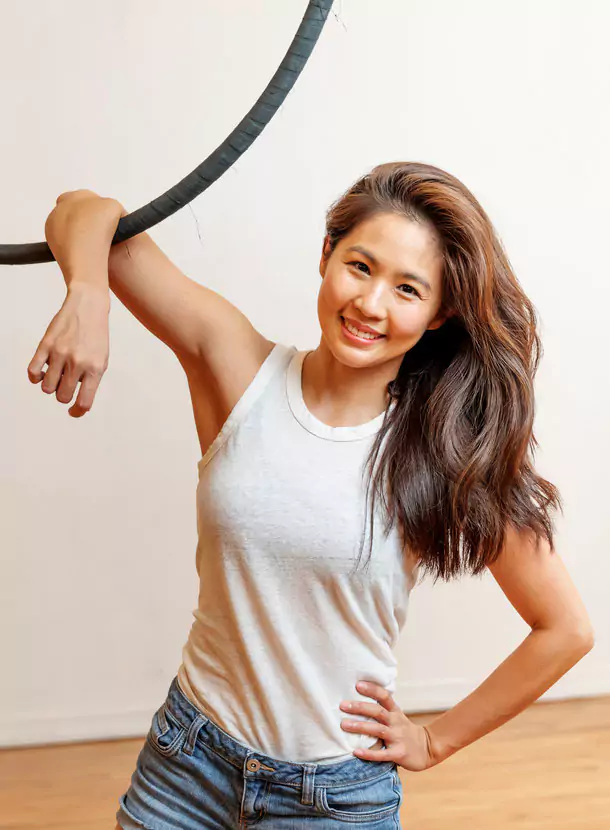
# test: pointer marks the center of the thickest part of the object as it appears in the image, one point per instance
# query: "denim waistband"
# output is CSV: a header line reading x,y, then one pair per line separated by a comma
x,y
200,728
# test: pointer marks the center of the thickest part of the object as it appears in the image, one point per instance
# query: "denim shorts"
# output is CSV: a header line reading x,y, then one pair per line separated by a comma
x,y
191,775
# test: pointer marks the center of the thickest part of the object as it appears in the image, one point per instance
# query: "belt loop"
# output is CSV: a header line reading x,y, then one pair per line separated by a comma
x,y
163,724
309,775
191,737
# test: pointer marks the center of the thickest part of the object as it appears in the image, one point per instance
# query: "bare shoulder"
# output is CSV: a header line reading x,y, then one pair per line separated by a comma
x,y
220,377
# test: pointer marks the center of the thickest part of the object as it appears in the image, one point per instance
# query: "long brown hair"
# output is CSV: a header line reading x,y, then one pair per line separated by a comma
x,y
457,449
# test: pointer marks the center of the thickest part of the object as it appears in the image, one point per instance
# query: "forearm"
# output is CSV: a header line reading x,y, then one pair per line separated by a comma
x,y
536,664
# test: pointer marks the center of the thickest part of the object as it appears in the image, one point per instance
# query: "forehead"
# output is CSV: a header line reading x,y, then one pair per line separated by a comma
x,y
399,244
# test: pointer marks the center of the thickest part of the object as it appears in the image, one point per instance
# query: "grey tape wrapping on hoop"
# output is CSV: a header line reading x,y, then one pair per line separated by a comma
x,y
226,154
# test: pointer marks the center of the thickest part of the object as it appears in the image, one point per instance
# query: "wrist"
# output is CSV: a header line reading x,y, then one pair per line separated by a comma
x,y
90,288
439,751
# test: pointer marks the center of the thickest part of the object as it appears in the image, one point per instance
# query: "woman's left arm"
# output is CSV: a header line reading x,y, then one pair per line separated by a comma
x,y
537,584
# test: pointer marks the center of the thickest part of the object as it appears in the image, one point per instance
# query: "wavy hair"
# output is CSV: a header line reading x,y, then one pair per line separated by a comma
x,y
457,449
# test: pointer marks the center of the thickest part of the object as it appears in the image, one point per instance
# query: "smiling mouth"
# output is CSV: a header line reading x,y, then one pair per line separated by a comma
x,y
365,337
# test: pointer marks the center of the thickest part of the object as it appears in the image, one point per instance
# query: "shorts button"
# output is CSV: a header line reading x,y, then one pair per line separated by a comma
x,y
253,765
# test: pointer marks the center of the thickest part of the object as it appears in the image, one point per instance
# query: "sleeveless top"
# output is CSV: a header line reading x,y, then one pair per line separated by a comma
x,y
283,627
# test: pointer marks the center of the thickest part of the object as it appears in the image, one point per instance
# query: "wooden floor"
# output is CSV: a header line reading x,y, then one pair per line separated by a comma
x,y
547,769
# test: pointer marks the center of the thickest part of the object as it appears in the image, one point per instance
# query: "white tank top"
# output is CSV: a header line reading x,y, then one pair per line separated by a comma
x,y
283,631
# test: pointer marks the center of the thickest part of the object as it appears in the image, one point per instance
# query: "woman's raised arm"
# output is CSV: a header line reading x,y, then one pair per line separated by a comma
x,y
197,323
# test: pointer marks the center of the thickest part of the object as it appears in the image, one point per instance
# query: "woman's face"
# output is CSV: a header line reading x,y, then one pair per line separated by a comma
x,y
386,274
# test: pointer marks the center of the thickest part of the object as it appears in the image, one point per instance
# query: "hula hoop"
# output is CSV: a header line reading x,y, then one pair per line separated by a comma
x,y
226,154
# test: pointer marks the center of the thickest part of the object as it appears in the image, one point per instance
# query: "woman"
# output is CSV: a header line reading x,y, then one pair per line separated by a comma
x,y
422,388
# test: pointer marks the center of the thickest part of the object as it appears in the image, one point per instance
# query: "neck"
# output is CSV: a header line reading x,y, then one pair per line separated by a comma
x,y
341,395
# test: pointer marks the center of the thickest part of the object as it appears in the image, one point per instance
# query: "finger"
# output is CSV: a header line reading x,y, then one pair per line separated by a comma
x,y
374,754
371,710
365,727
53,374
86,395
40,359
378,693
67,384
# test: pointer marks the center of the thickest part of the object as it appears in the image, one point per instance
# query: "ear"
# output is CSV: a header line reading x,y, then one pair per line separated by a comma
x,y
325,256
440,318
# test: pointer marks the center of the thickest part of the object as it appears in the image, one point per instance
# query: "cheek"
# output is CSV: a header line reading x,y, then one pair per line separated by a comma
x,y
333,296
409,324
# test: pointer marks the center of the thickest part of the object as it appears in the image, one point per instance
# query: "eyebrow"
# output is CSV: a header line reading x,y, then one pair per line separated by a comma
x,y
406,275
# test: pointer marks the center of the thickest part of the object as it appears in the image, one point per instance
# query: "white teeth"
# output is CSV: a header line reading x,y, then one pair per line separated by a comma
x,y
364,334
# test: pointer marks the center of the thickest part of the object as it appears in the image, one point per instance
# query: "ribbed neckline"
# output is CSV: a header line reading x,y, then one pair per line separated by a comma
x,y
294,393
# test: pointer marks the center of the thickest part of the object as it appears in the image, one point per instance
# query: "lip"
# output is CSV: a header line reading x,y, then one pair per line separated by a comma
x,y
362,327
354,339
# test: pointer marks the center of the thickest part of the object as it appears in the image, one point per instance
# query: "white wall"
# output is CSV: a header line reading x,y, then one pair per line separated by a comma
x,y
97,529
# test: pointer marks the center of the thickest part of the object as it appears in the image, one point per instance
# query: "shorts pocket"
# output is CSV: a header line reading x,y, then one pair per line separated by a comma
x,y
166,734
363,800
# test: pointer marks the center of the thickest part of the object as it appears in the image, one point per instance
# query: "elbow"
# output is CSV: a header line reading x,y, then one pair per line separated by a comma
x,y
583,638
588,639
577,638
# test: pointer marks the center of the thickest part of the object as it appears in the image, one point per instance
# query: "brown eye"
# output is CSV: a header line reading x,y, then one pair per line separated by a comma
x,y
357,262
414,290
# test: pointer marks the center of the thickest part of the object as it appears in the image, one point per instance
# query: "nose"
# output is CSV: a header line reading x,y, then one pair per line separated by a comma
x,y
370,302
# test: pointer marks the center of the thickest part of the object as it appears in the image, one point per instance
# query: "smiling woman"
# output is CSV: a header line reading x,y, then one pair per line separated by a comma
x,y
421,390
442,394
446,390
